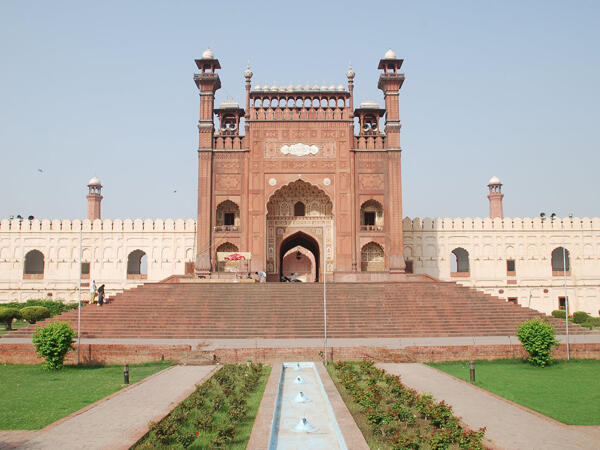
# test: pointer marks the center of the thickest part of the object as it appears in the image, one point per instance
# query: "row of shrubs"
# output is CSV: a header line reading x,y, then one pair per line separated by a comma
x,y
32,311
210,416
399,417
579,317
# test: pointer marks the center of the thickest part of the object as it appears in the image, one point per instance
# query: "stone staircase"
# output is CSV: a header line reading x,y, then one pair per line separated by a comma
x,y
295,310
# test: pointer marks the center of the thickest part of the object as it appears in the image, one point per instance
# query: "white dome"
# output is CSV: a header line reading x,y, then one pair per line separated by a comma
x,y
257,87
369,104
494,180
299,87
229,104
341,87
208,54
94,181
307,87
390,54
248,73
350,74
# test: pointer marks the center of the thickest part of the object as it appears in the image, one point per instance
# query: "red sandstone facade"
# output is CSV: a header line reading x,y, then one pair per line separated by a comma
x,y
299,181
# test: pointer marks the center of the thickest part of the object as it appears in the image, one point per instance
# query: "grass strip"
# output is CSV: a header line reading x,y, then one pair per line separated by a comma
x,y
33,397
219,414
567,391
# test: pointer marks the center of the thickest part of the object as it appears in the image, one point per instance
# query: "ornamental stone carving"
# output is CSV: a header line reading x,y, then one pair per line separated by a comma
x,y
299,149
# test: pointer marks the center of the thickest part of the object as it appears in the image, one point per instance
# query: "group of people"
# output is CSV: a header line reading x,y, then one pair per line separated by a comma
x,y
262,277
99,292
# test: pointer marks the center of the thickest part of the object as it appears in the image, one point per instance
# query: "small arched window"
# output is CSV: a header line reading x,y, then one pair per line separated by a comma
x,y
561,260
372,258
227,247
137,265
34,264
228,216
371,216
299,209
459,262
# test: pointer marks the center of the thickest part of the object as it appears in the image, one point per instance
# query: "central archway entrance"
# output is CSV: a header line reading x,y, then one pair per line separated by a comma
x,y
299,254
300,232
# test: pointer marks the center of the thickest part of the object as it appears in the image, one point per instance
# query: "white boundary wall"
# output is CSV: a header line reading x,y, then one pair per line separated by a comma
x,y
106,244
530,242
169,244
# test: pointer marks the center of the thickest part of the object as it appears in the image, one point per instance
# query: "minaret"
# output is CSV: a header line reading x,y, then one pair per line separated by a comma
x,y
495,197
390,82
94,199
208,83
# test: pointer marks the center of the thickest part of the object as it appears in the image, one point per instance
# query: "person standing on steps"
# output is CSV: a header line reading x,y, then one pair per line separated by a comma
x,y
93,292
101,295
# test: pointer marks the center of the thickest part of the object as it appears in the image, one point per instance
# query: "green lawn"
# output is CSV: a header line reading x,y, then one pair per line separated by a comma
x,y
33,397
566,391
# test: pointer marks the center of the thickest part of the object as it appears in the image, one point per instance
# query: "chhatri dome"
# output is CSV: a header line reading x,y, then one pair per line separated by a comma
x,y
94,181
494,180
208,54
390,54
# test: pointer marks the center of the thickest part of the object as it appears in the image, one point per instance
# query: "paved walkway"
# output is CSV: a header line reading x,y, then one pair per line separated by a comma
x,y
508,426
211,344
118,421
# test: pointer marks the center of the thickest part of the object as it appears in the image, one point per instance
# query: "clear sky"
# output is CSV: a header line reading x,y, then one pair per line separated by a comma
x,y
506,88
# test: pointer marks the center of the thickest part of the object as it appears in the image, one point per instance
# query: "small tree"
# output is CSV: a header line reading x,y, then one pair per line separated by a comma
x,y
538,339
7,315
32,314
53,342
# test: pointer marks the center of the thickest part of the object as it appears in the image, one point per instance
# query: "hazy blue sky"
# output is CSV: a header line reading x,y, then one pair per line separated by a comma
x,y
506,88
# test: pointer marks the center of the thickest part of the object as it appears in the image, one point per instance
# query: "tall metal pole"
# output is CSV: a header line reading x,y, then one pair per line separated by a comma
x,y
79,289
324,295
566,297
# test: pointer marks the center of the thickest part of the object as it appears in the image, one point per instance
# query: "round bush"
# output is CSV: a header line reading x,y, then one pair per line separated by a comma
x,y
52,342
558,313
34,313
7,315
580,316
538,339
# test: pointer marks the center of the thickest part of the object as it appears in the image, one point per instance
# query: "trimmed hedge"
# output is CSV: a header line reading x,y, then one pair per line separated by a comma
x,y
558,313
55,307
580,317
538,339
52,342
33,314
7,315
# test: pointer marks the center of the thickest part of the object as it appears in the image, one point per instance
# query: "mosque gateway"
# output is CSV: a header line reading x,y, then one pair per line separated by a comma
x,y
301,180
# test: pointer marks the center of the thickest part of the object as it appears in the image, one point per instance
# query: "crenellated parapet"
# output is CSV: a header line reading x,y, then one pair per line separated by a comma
x,y
106,225
497,224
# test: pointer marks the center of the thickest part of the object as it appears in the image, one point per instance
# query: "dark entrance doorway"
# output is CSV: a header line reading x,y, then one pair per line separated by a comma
x,y
305,241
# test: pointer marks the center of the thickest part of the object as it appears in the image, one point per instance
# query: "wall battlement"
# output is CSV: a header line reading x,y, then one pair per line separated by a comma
x,y
439,224
409,224
67,225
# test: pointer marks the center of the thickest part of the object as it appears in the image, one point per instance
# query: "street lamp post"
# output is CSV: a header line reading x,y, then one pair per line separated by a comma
x,y
564,267
324,295
79,302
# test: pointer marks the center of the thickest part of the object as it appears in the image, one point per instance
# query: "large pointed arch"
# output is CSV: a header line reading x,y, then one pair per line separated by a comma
x,y
300,239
